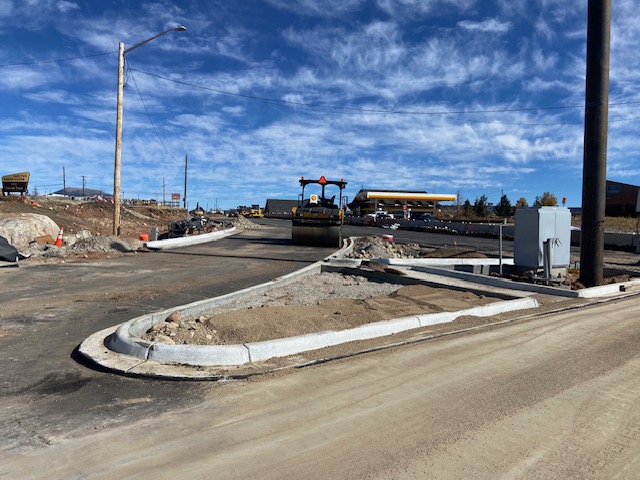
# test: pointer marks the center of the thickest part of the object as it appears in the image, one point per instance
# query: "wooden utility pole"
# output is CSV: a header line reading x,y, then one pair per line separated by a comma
x,y
594,173
118,154
186,161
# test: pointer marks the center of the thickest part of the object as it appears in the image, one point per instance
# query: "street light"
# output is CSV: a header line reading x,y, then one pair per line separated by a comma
x,y
118,155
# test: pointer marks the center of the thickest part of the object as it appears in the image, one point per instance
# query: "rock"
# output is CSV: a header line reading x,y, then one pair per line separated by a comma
x,y
164,339
174,317
21,229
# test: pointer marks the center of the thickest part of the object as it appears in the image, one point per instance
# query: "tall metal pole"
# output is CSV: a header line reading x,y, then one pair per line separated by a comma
x,y
595,143
118,156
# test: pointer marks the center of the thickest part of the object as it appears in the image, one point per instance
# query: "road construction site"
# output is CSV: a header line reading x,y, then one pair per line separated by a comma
x,y
518,393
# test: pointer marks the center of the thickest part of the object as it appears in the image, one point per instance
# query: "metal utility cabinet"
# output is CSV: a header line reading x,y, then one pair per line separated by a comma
x,y
534,227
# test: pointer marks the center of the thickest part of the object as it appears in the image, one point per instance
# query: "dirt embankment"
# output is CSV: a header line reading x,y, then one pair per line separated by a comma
x,y
94,217
88,226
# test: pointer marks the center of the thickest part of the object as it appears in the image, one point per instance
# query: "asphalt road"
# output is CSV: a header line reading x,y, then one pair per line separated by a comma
x,y
48,310
554,397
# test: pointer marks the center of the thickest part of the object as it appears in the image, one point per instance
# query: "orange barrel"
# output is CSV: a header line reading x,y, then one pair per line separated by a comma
x,y
144,237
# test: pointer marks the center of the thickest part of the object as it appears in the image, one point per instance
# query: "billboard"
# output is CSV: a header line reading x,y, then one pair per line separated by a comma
x,y
16,182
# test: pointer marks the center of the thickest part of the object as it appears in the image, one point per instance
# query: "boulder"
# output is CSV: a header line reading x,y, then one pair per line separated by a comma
x,y
23,228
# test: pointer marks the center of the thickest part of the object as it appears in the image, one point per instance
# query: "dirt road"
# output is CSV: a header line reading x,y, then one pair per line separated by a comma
x,y
554,397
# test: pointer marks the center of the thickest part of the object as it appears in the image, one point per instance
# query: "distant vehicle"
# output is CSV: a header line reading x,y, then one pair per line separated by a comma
x,y
255,211
375,218
198,211
425,217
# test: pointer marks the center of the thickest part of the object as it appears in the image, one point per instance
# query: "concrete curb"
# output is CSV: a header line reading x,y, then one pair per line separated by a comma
x,y
192,240
283,347
122,349
592,292
125,339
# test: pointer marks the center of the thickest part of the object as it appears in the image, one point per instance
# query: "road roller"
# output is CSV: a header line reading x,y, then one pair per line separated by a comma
x,y
317,220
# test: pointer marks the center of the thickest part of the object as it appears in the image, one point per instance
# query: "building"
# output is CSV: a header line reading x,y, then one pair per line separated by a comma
x,y
276,208
392,201
621,199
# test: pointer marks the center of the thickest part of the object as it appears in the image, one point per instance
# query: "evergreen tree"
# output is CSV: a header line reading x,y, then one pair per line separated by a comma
x,y
480,206
504,208
467,207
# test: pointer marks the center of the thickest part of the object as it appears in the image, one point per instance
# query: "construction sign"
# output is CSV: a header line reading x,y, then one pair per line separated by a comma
x,y
16,182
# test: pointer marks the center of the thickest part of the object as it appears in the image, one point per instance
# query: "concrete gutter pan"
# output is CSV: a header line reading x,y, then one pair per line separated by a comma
x,y
122,349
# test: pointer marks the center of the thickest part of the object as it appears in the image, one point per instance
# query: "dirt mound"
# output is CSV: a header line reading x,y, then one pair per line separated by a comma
x,y
88,226
378,247
96,217
327,301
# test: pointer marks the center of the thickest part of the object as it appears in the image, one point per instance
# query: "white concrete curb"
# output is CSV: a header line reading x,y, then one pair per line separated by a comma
x,y
127,337
417,262
260,351
127,340
192,240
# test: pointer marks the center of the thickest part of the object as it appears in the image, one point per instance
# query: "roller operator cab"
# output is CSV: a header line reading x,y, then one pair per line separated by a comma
x,y
317,220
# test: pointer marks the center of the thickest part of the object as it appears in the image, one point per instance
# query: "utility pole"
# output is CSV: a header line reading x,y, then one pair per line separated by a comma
x,y
594,173
83,183
186,161
118,150
163,189
64,183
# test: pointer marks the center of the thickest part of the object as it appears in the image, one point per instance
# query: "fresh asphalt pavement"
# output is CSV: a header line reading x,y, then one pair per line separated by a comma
x,y
49,309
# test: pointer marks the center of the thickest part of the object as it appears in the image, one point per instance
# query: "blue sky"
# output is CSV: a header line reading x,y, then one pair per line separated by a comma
x,y
471,96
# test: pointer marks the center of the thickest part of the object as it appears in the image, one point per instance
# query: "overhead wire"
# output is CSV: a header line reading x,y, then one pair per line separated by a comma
x,y
365,111
57,60
149,117
351,109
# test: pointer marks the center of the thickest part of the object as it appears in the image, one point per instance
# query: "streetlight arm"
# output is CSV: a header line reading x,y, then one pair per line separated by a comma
x,y
179,28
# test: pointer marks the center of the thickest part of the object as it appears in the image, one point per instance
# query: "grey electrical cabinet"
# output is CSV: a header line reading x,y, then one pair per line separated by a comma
x,y
533,227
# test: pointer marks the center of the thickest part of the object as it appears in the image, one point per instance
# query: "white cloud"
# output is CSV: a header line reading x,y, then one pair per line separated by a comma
x,y
65,6
491,25
325,8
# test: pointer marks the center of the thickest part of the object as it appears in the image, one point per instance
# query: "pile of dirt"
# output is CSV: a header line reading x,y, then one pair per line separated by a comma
x,y
327,301
96,217
381,247
88,226
243,222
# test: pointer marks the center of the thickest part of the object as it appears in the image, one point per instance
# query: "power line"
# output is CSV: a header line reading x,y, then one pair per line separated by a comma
x,y
149,117
58,60
354,109
364,111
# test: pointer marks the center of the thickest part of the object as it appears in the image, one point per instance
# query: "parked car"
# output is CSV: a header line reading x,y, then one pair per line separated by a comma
x,y
375,218
425,217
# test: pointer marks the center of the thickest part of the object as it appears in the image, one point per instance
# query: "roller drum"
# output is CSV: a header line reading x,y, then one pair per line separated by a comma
x,y
317,236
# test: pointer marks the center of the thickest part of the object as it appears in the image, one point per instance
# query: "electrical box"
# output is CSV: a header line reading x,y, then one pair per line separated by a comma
x,y
533,227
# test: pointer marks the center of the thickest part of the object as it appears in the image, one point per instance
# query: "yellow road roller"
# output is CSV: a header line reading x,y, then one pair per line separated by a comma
x,y
317,220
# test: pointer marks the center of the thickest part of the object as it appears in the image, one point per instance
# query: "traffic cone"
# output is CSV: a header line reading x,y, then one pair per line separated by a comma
x,y
59,239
